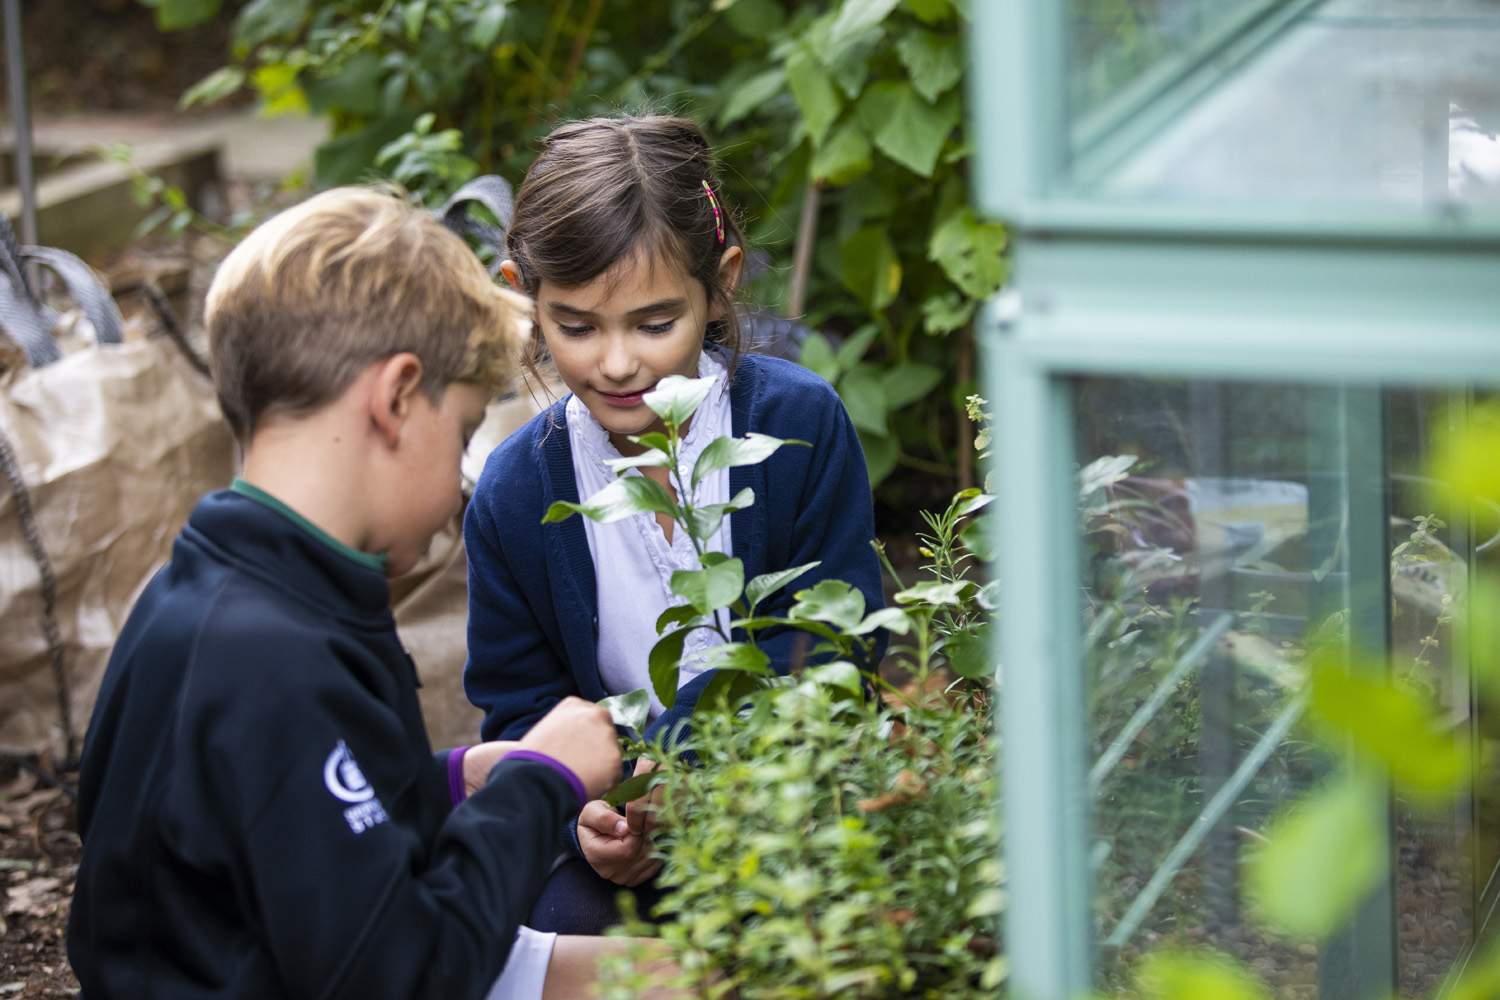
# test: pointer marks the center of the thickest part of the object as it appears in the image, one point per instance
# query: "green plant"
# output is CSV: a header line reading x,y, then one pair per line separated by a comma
x,y
846,117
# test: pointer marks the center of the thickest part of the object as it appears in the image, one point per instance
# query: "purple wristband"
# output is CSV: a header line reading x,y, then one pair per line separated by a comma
x,y
456,787
556,765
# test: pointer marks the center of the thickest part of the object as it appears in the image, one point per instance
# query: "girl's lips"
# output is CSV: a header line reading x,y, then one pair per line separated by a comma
x,y
625,399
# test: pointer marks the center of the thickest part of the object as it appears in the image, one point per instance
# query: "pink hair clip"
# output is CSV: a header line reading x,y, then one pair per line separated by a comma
x,y
718,216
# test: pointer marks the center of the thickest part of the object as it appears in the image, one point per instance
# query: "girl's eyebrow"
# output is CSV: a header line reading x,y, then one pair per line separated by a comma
x,y
665,305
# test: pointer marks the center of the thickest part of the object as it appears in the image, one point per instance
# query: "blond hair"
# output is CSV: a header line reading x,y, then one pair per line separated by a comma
x,y
347,278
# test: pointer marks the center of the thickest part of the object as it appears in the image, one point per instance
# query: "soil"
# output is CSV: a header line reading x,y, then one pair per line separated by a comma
x,y
39,853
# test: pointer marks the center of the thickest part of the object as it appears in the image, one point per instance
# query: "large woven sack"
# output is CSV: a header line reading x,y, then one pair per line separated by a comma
x,y
114,444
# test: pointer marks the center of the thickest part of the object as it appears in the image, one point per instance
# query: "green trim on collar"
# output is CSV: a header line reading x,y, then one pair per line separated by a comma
x,y
250,490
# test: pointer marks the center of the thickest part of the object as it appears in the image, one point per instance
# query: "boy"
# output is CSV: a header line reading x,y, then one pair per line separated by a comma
x,y
261,813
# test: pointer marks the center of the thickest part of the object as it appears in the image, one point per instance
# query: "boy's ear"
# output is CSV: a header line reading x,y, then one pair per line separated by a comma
x,y
730,263
512,274
398,380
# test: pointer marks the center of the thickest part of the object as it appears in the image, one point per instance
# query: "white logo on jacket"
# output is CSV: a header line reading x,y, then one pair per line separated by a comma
x,y
346,782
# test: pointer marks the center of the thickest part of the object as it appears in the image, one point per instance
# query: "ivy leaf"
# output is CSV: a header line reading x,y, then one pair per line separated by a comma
x,y
870,267
905,127
844,158
814,94
710,588
969,252
934,62
751,94
620,499
908,383
832,601
857,16
631,788
629,710
676,397
1321,859
725,452
767,584
662,664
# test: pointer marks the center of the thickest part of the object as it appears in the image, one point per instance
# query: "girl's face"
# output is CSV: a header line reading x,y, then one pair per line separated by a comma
x,y
613,338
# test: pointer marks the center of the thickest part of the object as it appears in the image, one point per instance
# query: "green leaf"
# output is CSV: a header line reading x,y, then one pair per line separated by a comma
x,y
905,384
631,788
856,16
263,20
852,351
817,356
881,452
487,25
941,594
279,92
703,521
412,16
844,158
864,398
832,601
767,584
947,312
655,441
620,499
1321,859
711,588
970,252
870,267
906,128
650,458
814,93
1394,725
677,614
751,94
662,664
1198,975
839,674
355,89
738,656
214,87
173,15
981,536
726,452
933,62
891,619
755,19
970,654
346,159
727,689
930,11
676,397
629,710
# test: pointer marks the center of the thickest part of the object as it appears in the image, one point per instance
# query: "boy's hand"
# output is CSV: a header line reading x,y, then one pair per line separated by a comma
x,y
579,735
481,759
623,857
640,815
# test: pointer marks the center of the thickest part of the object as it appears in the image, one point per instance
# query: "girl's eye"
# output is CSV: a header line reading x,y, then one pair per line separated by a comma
x,y
658,327
572,331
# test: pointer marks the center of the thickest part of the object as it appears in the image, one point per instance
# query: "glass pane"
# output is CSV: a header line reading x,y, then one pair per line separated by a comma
x,y
1219,521
1360,101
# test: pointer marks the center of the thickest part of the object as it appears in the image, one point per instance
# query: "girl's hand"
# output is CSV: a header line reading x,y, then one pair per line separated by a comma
x,y
481,759
614,852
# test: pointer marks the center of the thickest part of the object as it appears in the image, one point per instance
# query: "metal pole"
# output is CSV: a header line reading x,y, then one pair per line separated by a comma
x,y
20,116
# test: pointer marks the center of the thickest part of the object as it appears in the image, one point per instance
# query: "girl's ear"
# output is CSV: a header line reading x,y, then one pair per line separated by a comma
x,y
512,274
730,263
397,382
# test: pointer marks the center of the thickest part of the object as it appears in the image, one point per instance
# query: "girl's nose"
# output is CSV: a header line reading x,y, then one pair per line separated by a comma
x,y
618,362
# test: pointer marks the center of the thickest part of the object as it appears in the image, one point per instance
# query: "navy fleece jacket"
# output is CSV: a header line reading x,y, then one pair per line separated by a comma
x,y
533,607
260,810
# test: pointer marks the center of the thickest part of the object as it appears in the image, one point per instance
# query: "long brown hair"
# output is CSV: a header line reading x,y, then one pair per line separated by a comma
x,y
605,188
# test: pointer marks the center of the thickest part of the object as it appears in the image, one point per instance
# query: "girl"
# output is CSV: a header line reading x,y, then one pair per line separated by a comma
x,y
620,237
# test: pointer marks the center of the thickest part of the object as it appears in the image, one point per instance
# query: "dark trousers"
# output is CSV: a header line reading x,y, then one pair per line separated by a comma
x,y
578,900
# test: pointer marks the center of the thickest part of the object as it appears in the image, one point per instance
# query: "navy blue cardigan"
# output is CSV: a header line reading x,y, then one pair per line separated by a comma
x,y
533,610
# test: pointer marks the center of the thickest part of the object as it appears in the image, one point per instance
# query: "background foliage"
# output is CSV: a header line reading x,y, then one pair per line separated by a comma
x,y
840,127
